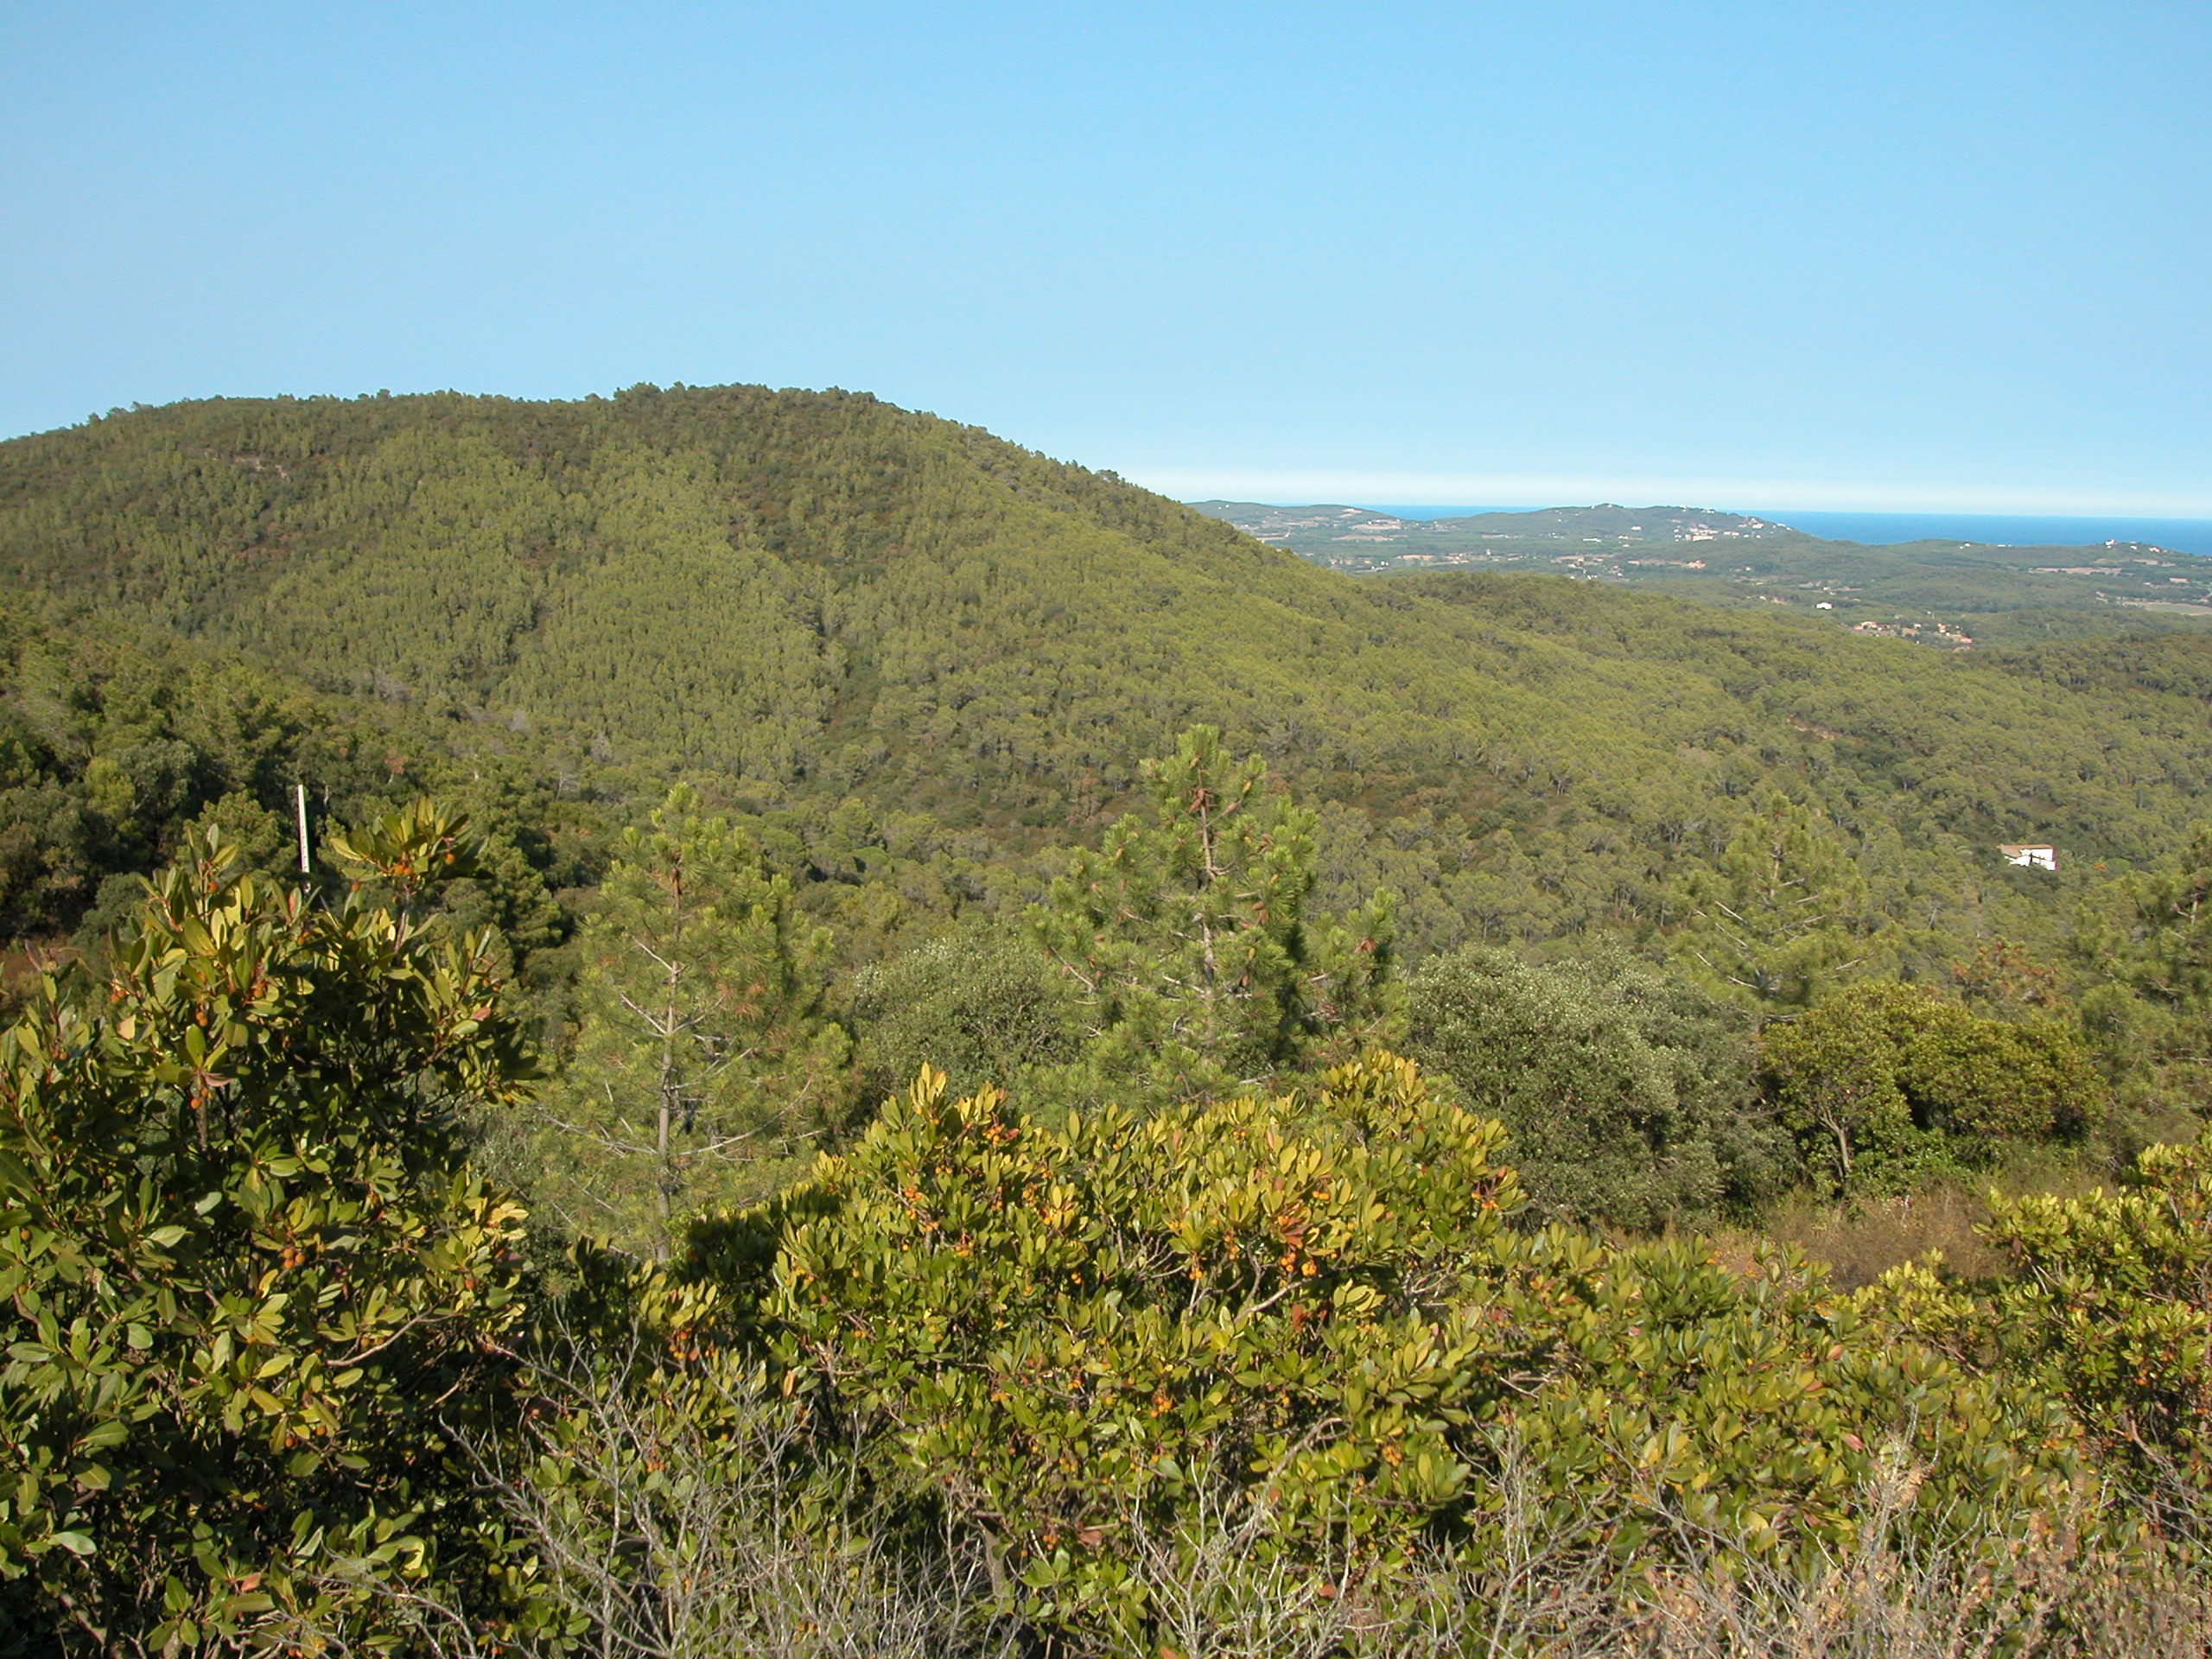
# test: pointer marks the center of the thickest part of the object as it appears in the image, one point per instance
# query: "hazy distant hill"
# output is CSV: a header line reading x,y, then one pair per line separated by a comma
x,y
932,649
1320,528
1972,590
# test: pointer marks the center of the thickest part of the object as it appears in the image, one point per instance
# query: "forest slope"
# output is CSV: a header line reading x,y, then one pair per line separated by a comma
x,y
833,607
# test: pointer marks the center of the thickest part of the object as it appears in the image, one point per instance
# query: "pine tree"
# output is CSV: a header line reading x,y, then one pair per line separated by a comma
x,y
1186,938
2146,943
1784,914
705,1061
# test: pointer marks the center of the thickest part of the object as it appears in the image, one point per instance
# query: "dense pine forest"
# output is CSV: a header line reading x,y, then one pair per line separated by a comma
x,y
886,1044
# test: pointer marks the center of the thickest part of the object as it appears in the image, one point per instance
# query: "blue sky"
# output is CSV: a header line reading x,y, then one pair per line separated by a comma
x,y
1851,256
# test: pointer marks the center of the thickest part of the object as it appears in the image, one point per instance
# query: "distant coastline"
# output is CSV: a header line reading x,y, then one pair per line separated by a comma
x,y
1885,529
2001,530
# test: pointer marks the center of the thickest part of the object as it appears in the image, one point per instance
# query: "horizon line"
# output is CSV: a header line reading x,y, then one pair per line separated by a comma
x,y
1712,494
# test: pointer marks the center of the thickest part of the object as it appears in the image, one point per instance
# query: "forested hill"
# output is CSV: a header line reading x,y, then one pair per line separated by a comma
x,y
774,585
930,650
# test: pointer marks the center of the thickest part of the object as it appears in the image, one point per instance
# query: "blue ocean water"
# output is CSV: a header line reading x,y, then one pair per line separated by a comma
x,y
2002,530
2179,535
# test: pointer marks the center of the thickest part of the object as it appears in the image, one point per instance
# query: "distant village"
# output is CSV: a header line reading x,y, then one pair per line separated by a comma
x,y
1941,633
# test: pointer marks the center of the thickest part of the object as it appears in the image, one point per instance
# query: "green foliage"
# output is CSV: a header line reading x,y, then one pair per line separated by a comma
x,y
1067,1340
1193,963
906,668
1063,1336
2146,949
1884,1083
249,1280
111,748
982,1005
2112,1312
108,750
705,1058
1626,1097
259,838
928,655
1783,915
1049,1325
2109,1309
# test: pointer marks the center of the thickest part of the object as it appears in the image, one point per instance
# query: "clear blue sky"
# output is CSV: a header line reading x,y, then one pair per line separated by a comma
x,y
1837,254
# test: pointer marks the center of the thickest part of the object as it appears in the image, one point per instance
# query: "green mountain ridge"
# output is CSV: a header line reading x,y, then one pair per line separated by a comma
x,y
937,654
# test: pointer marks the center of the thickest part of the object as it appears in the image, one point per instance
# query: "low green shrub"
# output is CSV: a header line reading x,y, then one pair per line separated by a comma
x,y
1054,1338
1290,1371
983,1004
2107,1307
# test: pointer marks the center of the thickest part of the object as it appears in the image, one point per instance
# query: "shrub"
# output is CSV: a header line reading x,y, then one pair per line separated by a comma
x,y
1884,1084
1626,1095
2108,1308
658,1539
244,1268
982,1005
1054,1339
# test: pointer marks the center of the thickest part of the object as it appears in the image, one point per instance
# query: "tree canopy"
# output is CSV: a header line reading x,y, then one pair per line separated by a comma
x,y
914,657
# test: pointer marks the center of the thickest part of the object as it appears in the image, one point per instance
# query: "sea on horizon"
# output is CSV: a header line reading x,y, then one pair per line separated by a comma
x,y
1879,529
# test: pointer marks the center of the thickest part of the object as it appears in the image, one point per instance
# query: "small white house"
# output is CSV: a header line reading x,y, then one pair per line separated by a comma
x,y
2031,858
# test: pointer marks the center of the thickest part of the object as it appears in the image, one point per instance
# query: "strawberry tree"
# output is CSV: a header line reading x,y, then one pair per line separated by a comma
x,y
247,1279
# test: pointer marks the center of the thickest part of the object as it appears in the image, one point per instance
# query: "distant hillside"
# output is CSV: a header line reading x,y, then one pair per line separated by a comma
x,y
1944,593
1309,530
929,654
